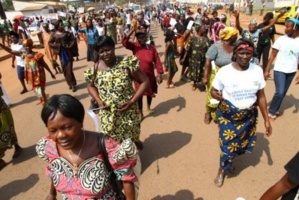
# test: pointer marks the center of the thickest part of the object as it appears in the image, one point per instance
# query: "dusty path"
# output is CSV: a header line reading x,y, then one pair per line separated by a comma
x,y
180,157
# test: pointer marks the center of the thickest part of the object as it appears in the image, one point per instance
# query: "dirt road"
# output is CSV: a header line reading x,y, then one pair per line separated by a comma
x,y
180,156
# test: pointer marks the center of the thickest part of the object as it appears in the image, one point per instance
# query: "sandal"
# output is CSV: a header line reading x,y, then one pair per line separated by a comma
x,y
219,180
208,118
2,164
170,86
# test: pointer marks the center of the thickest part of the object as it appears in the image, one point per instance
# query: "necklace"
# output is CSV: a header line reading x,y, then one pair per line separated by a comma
x,y
75,166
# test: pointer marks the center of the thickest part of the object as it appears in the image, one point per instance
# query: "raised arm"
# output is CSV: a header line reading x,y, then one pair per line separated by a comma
x,y
126,41
5,48
273,21
238,25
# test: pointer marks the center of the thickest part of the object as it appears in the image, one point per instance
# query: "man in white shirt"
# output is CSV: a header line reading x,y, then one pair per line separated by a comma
x,y
16,46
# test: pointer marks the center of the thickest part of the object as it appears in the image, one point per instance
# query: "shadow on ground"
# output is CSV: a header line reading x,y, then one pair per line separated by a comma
x,y
253,159
162,145
182,194
14,188
288,102
27,154
166,106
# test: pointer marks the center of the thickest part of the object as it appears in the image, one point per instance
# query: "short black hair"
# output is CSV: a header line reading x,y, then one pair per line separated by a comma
x,y
66,104
269,15
104,41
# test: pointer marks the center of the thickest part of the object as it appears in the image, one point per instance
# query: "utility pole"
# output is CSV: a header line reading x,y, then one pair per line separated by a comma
x,y
2,12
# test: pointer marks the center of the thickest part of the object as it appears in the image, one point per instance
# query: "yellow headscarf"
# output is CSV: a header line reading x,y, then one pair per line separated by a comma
x,y
227,33
27,42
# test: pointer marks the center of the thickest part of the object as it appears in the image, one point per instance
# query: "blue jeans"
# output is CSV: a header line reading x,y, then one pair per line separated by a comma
x,y
282,83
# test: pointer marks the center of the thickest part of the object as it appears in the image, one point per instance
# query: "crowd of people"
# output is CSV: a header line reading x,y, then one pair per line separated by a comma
x,y
209,52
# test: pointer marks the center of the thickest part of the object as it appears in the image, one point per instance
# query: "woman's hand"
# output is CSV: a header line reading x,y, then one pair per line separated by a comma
x,y
126,106
267,75
159,79
102,105
268,128
297,80
204,81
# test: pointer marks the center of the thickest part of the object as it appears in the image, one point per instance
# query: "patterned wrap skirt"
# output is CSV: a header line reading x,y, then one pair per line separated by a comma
x,y
237,131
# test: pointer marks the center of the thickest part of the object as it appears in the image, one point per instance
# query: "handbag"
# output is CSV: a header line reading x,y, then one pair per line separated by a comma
x,y
94,106
116,184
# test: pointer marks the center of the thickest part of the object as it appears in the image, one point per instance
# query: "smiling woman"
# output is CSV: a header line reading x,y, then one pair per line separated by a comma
x,y
74,155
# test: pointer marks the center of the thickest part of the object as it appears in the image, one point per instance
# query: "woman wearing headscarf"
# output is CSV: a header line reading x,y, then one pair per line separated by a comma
x,y
220,54
7,131
197,47
34,68
237,111
62,43
286,52
149,61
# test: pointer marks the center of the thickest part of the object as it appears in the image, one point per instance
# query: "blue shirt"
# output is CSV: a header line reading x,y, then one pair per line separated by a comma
x,y
91,34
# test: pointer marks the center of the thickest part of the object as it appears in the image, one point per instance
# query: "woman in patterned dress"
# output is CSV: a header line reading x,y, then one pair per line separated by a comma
x,y
220,52
237,111
110,83
34,69
197,47
77,162
8,137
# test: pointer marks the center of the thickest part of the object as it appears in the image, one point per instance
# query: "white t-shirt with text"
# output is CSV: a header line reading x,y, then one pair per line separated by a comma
x,y
240,87
288,54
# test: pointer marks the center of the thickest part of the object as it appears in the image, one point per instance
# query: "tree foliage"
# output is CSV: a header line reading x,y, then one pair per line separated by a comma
x,y
7,5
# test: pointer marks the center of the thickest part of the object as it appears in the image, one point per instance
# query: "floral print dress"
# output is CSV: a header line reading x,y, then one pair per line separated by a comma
x,y
115,87
35,73
92,179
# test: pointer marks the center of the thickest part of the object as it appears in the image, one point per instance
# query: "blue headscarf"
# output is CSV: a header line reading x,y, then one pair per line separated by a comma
x,y
294,21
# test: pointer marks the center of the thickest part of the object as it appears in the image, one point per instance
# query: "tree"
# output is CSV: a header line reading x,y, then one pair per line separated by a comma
x,y
7,5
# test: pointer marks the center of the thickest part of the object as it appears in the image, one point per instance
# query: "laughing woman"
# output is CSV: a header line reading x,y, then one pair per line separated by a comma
x,y
237,111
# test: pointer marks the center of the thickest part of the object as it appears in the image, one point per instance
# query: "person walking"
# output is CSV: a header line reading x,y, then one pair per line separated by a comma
x,y
62,43
286,52
149,61
237,111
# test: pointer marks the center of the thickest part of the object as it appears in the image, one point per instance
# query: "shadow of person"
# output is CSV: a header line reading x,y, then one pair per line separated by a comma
x,y
182,194
166,106
288,102
162,145
27,153
80,67
26,100
14,188
254,158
